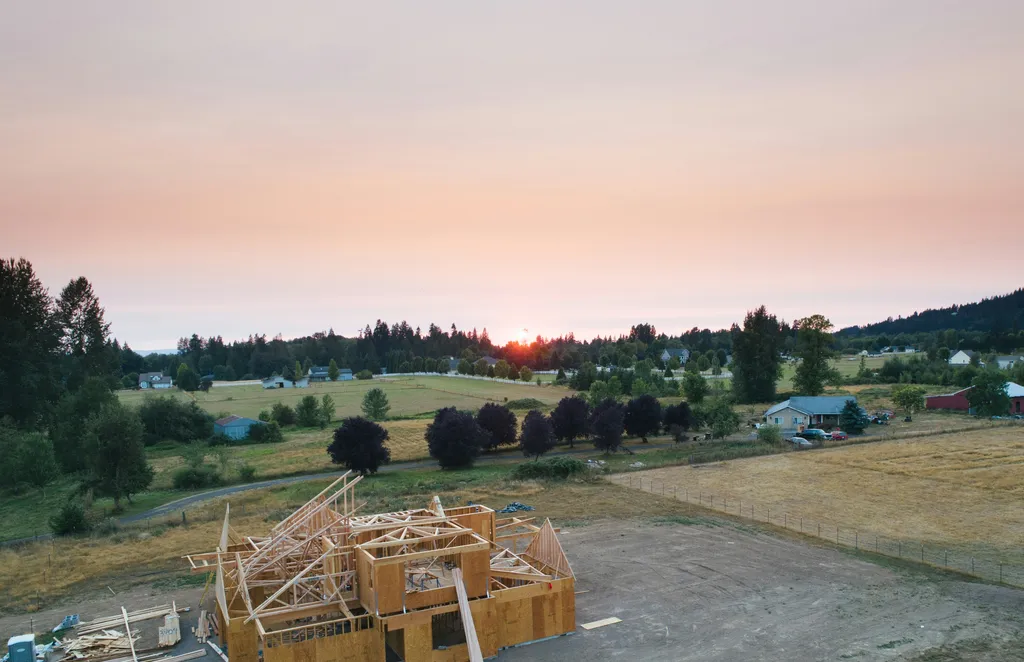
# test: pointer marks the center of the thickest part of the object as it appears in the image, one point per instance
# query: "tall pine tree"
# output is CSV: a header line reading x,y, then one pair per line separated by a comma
x,y
757,361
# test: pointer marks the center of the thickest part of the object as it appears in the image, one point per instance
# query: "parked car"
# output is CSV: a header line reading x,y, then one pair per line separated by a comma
x,y
839,435
800,442
814,433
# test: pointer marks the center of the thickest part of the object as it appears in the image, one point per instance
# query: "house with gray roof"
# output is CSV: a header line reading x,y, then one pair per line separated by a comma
x,y
676,353
234,427
1007,362
805,411
155,380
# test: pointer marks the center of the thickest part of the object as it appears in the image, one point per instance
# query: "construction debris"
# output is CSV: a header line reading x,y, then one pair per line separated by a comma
x,y
108,622
66,624
514,507
203,627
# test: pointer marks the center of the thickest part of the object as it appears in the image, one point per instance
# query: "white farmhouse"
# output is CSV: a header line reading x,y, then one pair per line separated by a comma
x,y
962,357
155,380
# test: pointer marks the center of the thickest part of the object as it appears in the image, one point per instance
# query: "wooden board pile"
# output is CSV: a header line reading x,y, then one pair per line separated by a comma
x,y
104,645
206,626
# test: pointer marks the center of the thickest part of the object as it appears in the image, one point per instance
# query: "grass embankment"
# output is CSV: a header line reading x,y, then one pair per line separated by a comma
x,y
41,573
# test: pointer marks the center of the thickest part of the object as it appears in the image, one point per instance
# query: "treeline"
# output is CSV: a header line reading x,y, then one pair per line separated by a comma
x,y
991,317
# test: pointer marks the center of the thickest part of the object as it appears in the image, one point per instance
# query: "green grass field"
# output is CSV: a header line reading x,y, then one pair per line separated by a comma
x,y
409,396
846,365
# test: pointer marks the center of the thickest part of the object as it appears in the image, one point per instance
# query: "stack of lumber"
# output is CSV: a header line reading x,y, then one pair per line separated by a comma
x,y
203,628
170,633
101,646
108,622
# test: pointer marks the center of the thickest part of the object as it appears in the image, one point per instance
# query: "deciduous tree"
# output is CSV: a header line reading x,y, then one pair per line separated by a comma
x,y
908,397
569,419
454,438
525,374
359,445
186,379
117,456
678,420
695,387
500,424
988,396
643,417
607,422
537,437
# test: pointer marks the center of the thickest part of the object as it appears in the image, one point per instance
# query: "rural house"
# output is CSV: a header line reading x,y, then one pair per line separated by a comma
x,y
155,380
957,400
1007,362
277,381
802,412
319,373
962,357
234,427
682,354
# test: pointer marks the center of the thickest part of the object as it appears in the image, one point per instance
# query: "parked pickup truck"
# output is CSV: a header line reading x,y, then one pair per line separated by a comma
x,y
814,433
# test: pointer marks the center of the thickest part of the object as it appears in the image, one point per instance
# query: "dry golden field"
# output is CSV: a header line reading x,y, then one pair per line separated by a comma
x,y
963,490
303,452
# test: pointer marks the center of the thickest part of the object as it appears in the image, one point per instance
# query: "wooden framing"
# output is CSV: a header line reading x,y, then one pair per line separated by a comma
x,y
327,585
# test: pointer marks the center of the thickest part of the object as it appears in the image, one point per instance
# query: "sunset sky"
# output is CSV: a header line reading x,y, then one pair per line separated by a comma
x,y
252,167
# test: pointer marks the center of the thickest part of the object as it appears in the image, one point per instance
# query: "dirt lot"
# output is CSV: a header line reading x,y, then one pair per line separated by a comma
x,y
957,491
705,589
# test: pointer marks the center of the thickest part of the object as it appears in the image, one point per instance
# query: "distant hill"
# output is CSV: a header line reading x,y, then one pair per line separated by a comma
x,y
1001,313
147,352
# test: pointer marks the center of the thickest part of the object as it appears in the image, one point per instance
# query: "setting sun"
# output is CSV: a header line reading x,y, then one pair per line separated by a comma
x,y
523,338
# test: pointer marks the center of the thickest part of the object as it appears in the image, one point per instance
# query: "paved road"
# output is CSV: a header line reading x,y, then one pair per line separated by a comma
x,y
184,502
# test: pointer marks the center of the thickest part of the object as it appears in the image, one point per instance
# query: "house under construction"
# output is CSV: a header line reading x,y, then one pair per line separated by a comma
x,y
434,584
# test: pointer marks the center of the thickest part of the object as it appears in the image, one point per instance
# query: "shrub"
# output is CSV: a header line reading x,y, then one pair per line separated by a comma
x,y
359,445
525,374
188,478
499,422
265,415
525,403
70,520
770,434
247,473
269,433
283,414
364,374
454,438
169,418
549,468
220,439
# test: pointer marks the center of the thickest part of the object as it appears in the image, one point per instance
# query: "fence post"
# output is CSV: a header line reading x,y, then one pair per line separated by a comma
x,y
899,548
769,514
856,540
972,565
945,558
1000,572
922,552
837,535
785,520
819,529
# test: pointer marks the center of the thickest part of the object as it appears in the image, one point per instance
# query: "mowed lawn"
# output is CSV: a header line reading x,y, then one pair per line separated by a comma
x,y
409,396
963,490
846,365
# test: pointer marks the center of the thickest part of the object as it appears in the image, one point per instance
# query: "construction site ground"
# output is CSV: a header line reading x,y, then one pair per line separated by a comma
x,y
694,587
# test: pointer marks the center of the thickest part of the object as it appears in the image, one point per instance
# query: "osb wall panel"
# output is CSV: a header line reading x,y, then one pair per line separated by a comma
x,y
364,581
475,571
457,653
389,583
430,597
243,642
485,619
361,646
419,644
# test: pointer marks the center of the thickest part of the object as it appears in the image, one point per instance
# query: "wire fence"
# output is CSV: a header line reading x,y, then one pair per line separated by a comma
x,y
988,569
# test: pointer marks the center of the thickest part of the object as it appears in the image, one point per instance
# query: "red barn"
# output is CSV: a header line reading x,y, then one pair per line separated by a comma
x,y
958,400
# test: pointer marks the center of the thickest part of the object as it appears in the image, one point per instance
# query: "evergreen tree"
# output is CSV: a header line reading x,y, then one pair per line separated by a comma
x,y
814,349
327,410
852,418
332,371
376,405
84,335
29,347
757,360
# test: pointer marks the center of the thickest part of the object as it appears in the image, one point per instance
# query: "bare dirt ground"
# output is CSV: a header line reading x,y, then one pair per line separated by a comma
x,y
709,589
102,603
